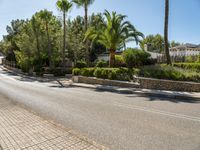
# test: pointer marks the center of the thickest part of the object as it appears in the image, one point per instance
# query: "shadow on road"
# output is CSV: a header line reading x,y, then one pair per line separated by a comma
x,y
151,96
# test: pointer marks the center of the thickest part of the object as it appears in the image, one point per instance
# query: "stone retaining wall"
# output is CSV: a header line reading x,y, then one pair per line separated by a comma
x,y
91,80
158,84
145,83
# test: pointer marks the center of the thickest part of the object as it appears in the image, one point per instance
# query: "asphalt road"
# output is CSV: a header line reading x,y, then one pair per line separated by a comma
x,y
118,121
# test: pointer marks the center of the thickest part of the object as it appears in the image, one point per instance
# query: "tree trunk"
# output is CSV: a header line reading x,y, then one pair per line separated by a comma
x,y
86,16
86,27
64,39
112,58
166,32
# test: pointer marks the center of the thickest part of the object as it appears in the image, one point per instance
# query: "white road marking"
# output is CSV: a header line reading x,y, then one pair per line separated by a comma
x,y
155,111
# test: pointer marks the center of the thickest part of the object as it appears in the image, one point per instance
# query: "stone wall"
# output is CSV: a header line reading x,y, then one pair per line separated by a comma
x,y
148,83
145,83
91,80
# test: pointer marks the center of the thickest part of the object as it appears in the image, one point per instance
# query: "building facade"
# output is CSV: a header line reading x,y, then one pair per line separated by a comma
x,y
185,50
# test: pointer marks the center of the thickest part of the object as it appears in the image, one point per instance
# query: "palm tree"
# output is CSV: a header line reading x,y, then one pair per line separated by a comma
x,y
64,6
166,32
85,4
114,34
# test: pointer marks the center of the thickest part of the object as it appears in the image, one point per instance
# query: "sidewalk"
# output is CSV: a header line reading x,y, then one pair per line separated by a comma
x,y
23,130
144,92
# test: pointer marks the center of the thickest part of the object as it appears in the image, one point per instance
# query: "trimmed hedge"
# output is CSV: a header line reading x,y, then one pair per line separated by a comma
x,y
126,74
81,64
191,66
123,74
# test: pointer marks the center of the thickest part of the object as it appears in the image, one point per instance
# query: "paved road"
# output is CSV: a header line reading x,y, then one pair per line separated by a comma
x,y
118,121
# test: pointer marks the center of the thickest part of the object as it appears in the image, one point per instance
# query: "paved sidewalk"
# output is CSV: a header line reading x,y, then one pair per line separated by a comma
x,y
145,92
23,130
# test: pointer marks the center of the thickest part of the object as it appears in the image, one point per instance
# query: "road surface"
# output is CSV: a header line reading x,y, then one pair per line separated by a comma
x,y
118,121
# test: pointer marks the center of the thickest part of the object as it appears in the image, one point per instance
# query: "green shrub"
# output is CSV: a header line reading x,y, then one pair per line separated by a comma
x,y
119,61
101,64
81,64
192,59
88,72
123,74
170,73
76,71
135,57
190,66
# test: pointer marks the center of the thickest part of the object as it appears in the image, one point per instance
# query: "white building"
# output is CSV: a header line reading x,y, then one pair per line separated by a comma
x,y
185,50
1,57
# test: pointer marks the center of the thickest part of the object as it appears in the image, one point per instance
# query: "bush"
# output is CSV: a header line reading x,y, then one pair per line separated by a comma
x,y
119,61
135,57
76,71
88,72
123,74
170,73
101,64
81,64
191,66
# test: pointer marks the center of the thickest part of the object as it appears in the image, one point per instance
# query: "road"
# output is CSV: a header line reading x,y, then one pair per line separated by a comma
x,y
118,121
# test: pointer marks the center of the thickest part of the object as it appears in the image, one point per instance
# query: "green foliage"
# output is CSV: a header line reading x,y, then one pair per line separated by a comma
x,y
123,74
119,61
170,73
114,33
76,71
189,66
192,59
88,72
154,42
64,5
81,64
101,64
135,57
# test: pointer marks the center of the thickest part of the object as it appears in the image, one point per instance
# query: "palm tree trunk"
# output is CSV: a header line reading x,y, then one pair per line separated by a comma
x,y
112,58
64,39
86,27
166,32
86,15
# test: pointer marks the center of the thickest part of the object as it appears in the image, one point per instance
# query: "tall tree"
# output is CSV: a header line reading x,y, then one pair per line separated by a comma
x,y
45,16
85,4
166,32
114,33
64,6
154,43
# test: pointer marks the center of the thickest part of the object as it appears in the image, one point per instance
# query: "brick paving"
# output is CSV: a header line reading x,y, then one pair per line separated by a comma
x,y
23,130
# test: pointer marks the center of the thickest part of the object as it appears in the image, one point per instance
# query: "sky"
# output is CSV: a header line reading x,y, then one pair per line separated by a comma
x,y
146,15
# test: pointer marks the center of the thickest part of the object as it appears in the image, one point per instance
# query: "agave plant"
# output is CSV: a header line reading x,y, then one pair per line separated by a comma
x,y
114,34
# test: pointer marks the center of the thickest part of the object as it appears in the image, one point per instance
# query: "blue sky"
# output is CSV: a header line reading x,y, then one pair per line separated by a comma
x,y
146,15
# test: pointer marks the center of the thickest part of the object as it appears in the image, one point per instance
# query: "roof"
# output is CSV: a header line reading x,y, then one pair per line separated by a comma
x,y
188,45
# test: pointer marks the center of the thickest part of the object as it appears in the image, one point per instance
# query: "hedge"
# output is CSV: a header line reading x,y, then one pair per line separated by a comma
x,y
126,74
123,74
